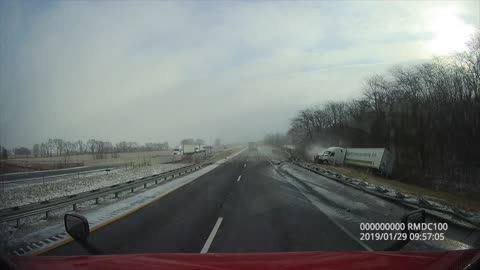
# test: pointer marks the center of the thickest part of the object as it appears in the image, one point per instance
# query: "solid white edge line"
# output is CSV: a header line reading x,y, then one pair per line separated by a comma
x,y
244,165
209,241
239,177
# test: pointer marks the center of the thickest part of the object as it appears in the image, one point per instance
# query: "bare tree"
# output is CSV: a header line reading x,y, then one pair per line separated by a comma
x,y
91,146
4,153
81,146
36,150
59,145
43,149
50,147
427,114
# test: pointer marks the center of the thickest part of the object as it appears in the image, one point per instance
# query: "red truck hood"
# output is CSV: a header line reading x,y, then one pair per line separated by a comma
x,y
252,261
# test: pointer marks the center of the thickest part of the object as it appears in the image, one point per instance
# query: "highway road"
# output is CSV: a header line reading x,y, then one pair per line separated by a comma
x,y
253,203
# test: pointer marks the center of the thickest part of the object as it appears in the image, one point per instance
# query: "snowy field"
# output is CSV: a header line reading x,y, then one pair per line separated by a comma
x,y
25,193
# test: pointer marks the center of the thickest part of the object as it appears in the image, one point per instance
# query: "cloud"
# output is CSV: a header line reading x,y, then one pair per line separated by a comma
x,y
154,71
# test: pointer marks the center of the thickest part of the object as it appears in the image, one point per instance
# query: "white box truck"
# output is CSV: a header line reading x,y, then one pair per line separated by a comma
x,y
189,148
376,158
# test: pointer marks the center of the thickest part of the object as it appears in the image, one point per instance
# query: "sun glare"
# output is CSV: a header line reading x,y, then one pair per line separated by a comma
x,y
450,32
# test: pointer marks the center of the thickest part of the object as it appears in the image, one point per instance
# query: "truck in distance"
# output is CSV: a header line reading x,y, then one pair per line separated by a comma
x,y
188,148
252,146
193,148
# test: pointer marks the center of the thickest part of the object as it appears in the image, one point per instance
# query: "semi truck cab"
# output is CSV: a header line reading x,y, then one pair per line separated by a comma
x,y
333,155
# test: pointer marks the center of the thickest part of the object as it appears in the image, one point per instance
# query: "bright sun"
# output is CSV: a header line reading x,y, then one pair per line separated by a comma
x,y
450,32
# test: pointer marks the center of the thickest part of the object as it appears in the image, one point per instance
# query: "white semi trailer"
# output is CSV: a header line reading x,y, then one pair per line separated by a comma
x,y
376,158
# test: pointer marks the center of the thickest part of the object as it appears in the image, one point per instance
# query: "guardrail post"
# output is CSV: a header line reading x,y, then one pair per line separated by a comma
x,y
156,181
145,185
96,200
74,207
116,195
47,214
18,223
132,189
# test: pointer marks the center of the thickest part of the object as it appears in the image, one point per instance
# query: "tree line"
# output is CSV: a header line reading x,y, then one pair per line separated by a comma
x,y
194,141
97,148
427,115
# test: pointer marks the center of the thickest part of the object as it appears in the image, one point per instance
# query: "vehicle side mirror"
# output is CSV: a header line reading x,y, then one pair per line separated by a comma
x,y
77,227
413,221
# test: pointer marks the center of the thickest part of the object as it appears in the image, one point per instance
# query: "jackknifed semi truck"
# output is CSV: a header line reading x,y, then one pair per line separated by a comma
x,y
379,159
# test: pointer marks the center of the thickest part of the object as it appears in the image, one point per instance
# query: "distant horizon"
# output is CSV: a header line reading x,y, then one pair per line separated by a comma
x,y
171,145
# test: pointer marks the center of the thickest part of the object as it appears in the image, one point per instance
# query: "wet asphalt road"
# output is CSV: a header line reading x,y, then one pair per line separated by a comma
x,y
251,204
257,211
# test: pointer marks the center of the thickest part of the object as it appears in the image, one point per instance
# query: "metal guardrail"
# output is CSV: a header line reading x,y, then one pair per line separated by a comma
x,y
45,207
337,177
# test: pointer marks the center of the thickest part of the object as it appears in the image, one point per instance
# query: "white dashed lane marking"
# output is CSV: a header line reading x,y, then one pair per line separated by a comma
x,y
207,244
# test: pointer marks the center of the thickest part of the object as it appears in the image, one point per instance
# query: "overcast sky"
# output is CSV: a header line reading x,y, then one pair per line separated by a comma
x,y
163,71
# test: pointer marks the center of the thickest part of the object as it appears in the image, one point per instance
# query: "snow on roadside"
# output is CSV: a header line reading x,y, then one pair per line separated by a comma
x,y
53,178
406,197
99,215
19,195
96,214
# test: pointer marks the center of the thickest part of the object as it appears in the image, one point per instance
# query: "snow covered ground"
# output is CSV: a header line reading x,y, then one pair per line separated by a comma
x,y
51,178
25,193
